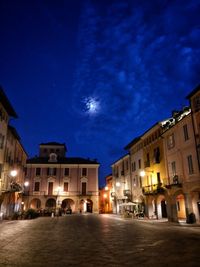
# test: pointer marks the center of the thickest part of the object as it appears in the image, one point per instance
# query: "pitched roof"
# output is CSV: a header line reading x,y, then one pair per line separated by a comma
x,y
64,160
7,105
196,89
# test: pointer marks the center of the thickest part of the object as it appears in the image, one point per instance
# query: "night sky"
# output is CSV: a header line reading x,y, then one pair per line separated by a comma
x,y
96,74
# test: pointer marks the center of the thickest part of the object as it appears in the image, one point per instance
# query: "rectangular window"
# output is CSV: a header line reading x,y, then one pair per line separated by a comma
x,y
158,178
185,131
173,165
38,171
66,171
127,165
84,189
156,155
139,163
140,181
133,166
50,188
37,186
190,164
170,141
66,187
51,171
84,172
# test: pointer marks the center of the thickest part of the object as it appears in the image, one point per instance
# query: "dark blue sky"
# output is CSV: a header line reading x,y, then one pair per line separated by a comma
x,y
95,74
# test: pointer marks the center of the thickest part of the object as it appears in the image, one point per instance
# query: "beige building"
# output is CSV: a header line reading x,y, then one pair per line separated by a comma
x,y
13,179
12,161
135,148
57,182
181,164
121,191
105,199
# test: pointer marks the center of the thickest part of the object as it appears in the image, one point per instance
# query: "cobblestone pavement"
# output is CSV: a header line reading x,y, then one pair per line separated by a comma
x,y
97,240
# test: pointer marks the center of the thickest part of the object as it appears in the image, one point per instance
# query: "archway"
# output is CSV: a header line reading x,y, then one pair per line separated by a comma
x,y
35,203
161,207
180,204
89,205
51,203
67,203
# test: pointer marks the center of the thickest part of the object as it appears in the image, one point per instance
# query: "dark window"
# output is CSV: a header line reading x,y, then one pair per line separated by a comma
x,y
185,131
139,163
38,171
84,172
190,164
50,188
158,178
66,171
84,189
156,154
37,186
66,187
51,171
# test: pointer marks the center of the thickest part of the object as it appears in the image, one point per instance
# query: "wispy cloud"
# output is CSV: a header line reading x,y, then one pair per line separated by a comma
x,y
139,60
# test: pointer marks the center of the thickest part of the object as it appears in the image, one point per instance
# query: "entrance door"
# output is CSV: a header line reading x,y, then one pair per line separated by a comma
x,y
89,206
164,209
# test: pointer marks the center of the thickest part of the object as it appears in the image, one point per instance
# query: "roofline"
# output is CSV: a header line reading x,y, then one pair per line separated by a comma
x,y
127,154
6,104
194,91
133,142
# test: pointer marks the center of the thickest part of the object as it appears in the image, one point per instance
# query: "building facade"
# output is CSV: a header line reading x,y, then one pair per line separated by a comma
x,y
164,171
105,198
57,183
12,161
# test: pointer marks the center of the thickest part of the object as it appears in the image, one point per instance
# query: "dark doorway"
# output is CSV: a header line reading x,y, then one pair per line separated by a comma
x,y
164,209
89,205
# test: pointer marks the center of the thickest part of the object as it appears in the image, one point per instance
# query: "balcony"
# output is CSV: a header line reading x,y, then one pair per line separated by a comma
x,y
153,189
176,183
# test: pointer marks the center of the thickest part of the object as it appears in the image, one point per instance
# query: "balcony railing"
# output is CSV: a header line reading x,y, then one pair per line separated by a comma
x,y
174,182
153,189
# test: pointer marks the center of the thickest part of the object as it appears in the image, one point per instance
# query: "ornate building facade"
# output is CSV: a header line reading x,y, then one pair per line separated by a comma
x,y
57,183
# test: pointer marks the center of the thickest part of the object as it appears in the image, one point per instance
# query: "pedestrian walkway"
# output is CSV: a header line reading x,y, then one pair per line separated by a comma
x,y
153,221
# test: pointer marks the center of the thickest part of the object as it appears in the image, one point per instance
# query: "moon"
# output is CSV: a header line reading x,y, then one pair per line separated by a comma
x,y
92,105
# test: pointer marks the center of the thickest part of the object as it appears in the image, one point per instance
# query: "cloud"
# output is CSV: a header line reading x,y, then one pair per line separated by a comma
x,y
139,60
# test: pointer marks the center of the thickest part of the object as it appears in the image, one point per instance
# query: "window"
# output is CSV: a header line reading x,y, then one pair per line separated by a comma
x,y
158,178
190,164
37,186
133,166
156,155
50,188
139,163
170,141
84,172
185,131
140,181
66,187
84,189
38,171
51,171
127,165
2,137
173,165
66,171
